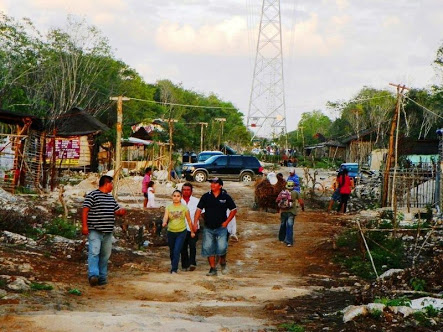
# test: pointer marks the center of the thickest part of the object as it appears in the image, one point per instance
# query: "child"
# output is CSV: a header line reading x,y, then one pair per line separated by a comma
x,y
336,195
146,180
151,195
175,217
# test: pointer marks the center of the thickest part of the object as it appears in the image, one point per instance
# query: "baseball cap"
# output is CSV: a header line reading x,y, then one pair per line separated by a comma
x,y
292,171
216,180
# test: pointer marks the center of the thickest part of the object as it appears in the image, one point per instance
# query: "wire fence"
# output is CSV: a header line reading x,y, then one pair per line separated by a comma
x,y
413,188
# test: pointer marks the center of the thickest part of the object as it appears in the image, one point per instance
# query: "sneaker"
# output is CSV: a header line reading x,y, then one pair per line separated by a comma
x,y
224,269
289,245
174,272
102,282
185,269
93,281
192,268
212,272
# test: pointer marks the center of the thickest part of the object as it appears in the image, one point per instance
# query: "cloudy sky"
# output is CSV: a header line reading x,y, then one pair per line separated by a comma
x,y
332,48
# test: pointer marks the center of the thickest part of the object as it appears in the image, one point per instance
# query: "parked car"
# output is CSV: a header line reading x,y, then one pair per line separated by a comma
x,y
205,155
235,167
353,170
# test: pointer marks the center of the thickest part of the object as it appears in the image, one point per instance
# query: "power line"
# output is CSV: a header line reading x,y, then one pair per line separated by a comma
x,y
173,104
426,109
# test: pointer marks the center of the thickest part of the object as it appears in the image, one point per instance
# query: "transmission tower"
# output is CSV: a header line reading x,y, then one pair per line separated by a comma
x,y
267,109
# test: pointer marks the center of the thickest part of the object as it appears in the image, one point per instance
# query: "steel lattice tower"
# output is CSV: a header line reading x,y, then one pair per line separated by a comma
x,y
267,109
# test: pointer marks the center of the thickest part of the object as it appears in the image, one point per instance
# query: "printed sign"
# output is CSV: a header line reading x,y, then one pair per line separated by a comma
x,y
66,150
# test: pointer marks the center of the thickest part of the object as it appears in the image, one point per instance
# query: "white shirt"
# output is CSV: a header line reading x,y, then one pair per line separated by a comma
x,y
192,206
151,198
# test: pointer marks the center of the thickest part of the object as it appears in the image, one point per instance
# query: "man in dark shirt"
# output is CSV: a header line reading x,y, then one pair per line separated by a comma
x,y
98,218
215,239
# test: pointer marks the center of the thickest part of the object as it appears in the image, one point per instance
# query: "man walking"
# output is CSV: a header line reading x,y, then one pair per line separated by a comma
x,y
189,249
98,218
288,212
294,178
215,234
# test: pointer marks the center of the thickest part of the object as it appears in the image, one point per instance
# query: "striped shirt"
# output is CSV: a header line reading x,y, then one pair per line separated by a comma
x,y
102,207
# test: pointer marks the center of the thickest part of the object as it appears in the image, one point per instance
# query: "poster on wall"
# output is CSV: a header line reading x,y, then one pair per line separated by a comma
x,y
67,151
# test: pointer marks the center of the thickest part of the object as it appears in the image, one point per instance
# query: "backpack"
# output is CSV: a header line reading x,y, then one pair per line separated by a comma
x,y
284,200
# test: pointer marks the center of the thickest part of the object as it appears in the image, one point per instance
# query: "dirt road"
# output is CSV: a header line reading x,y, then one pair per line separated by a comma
x,y
263,276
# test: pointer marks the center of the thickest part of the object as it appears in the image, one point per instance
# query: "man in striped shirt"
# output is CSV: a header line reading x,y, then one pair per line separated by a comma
x,y
98,218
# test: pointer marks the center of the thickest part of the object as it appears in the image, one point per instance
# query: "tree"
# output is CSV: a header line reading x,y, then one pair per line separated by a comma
x,y
313,123
19,59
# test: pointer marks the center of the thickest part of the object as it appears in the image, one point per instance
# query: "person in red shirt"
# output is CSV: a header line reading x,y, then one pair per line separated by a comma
x,y
346,184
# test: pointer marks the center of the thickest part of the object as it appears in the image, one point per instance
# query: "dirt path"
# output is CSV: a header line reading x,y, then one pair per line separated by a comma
x,y
262,274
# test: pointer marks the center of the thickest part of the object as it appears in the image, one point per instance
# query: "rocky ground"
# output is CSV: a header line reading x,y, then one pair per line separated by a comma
x,y
269,286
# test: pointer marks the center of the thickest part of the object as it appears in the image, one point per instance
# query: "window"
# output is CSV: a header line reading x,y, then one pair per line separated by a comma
x,y
236,161
221,161
251,162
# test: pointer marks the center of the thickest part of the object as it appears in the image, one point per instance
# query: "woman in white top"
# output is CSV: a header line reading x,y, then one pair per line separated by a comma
x,y
151,195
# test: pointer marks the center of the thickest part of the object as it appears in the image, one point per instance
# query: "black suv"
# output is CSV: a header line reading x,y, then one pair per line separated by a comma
x,y
235,167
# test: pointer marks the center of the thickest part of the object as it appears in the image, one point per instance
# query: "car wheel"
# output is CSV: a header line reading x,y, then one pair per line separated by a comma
x,y
246,177
200,176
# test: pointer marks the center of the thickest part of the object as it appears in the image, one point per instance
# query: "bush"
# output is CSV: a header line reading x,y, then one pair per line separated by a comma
x,y
37,286
16,222
60,226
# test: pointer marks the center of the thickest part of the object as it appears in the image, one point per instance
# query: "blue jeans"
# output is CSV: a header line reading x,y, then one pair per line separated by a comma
x,y
215,242
99,251
286,232
175,242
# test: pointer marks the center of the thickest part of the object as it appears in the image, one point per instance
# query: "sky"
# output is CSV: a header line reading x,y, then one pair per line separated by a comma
x,y
331,48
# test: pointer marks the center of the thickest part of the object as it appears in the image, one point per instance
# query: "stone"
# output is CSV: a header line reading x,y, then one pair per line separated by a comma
x,y
389,273
352,311
404,310
14,238
375,306
20,284
423,302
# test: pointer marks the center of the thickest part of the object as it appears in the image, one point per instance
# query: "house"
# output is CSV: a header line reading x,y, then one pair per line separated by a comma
x,y
72,138
21,150
330,149
360,146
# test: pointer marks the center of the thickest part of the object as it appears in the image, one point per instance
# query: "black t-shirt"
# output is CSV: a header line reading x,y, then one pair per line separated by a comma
x,y
215,208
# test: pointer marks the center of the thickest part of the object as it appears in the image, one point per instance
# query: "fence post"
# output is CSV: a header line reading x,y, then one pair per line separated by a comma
x,y
439,170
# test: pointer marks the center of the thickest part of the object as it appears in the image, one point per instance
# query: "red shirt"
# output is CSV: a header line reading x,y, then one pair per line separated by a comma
x,y
345,188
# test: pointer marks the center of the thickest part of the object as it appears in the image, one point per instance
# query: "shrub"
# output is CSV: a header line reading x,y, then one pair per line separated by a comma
x,y
417,284
37,286
62,227
401,301
292,327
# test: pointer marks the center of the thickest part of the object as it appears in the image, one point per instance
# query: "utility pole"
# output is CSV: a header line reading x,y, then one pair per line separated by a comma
x,y
201,134
303,140
118,143
220,133
171,130
390,156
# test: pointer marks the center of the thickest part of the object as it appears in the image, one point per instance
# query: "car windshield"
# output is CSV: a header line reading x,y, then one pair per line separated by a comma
x,y
210,159
204,157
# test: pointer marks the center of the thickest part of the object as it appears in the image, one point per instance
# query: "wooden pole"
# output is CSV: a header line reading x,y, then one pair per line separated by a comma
x,y
171,130
390,155
54,142
201,134
118,143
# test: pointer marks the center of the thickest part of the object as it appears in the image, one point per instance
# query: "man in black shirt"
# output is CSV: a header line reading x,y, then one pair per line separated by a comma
x,y
215,239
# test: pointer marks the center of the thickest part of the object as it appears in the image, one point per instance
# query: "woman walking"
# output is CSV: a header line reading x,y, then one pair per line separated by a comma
x,y
176,215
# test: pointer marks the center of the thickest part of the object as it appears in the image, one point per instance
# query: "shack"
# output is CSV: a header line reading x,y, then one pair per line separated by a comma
x,y
21,150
